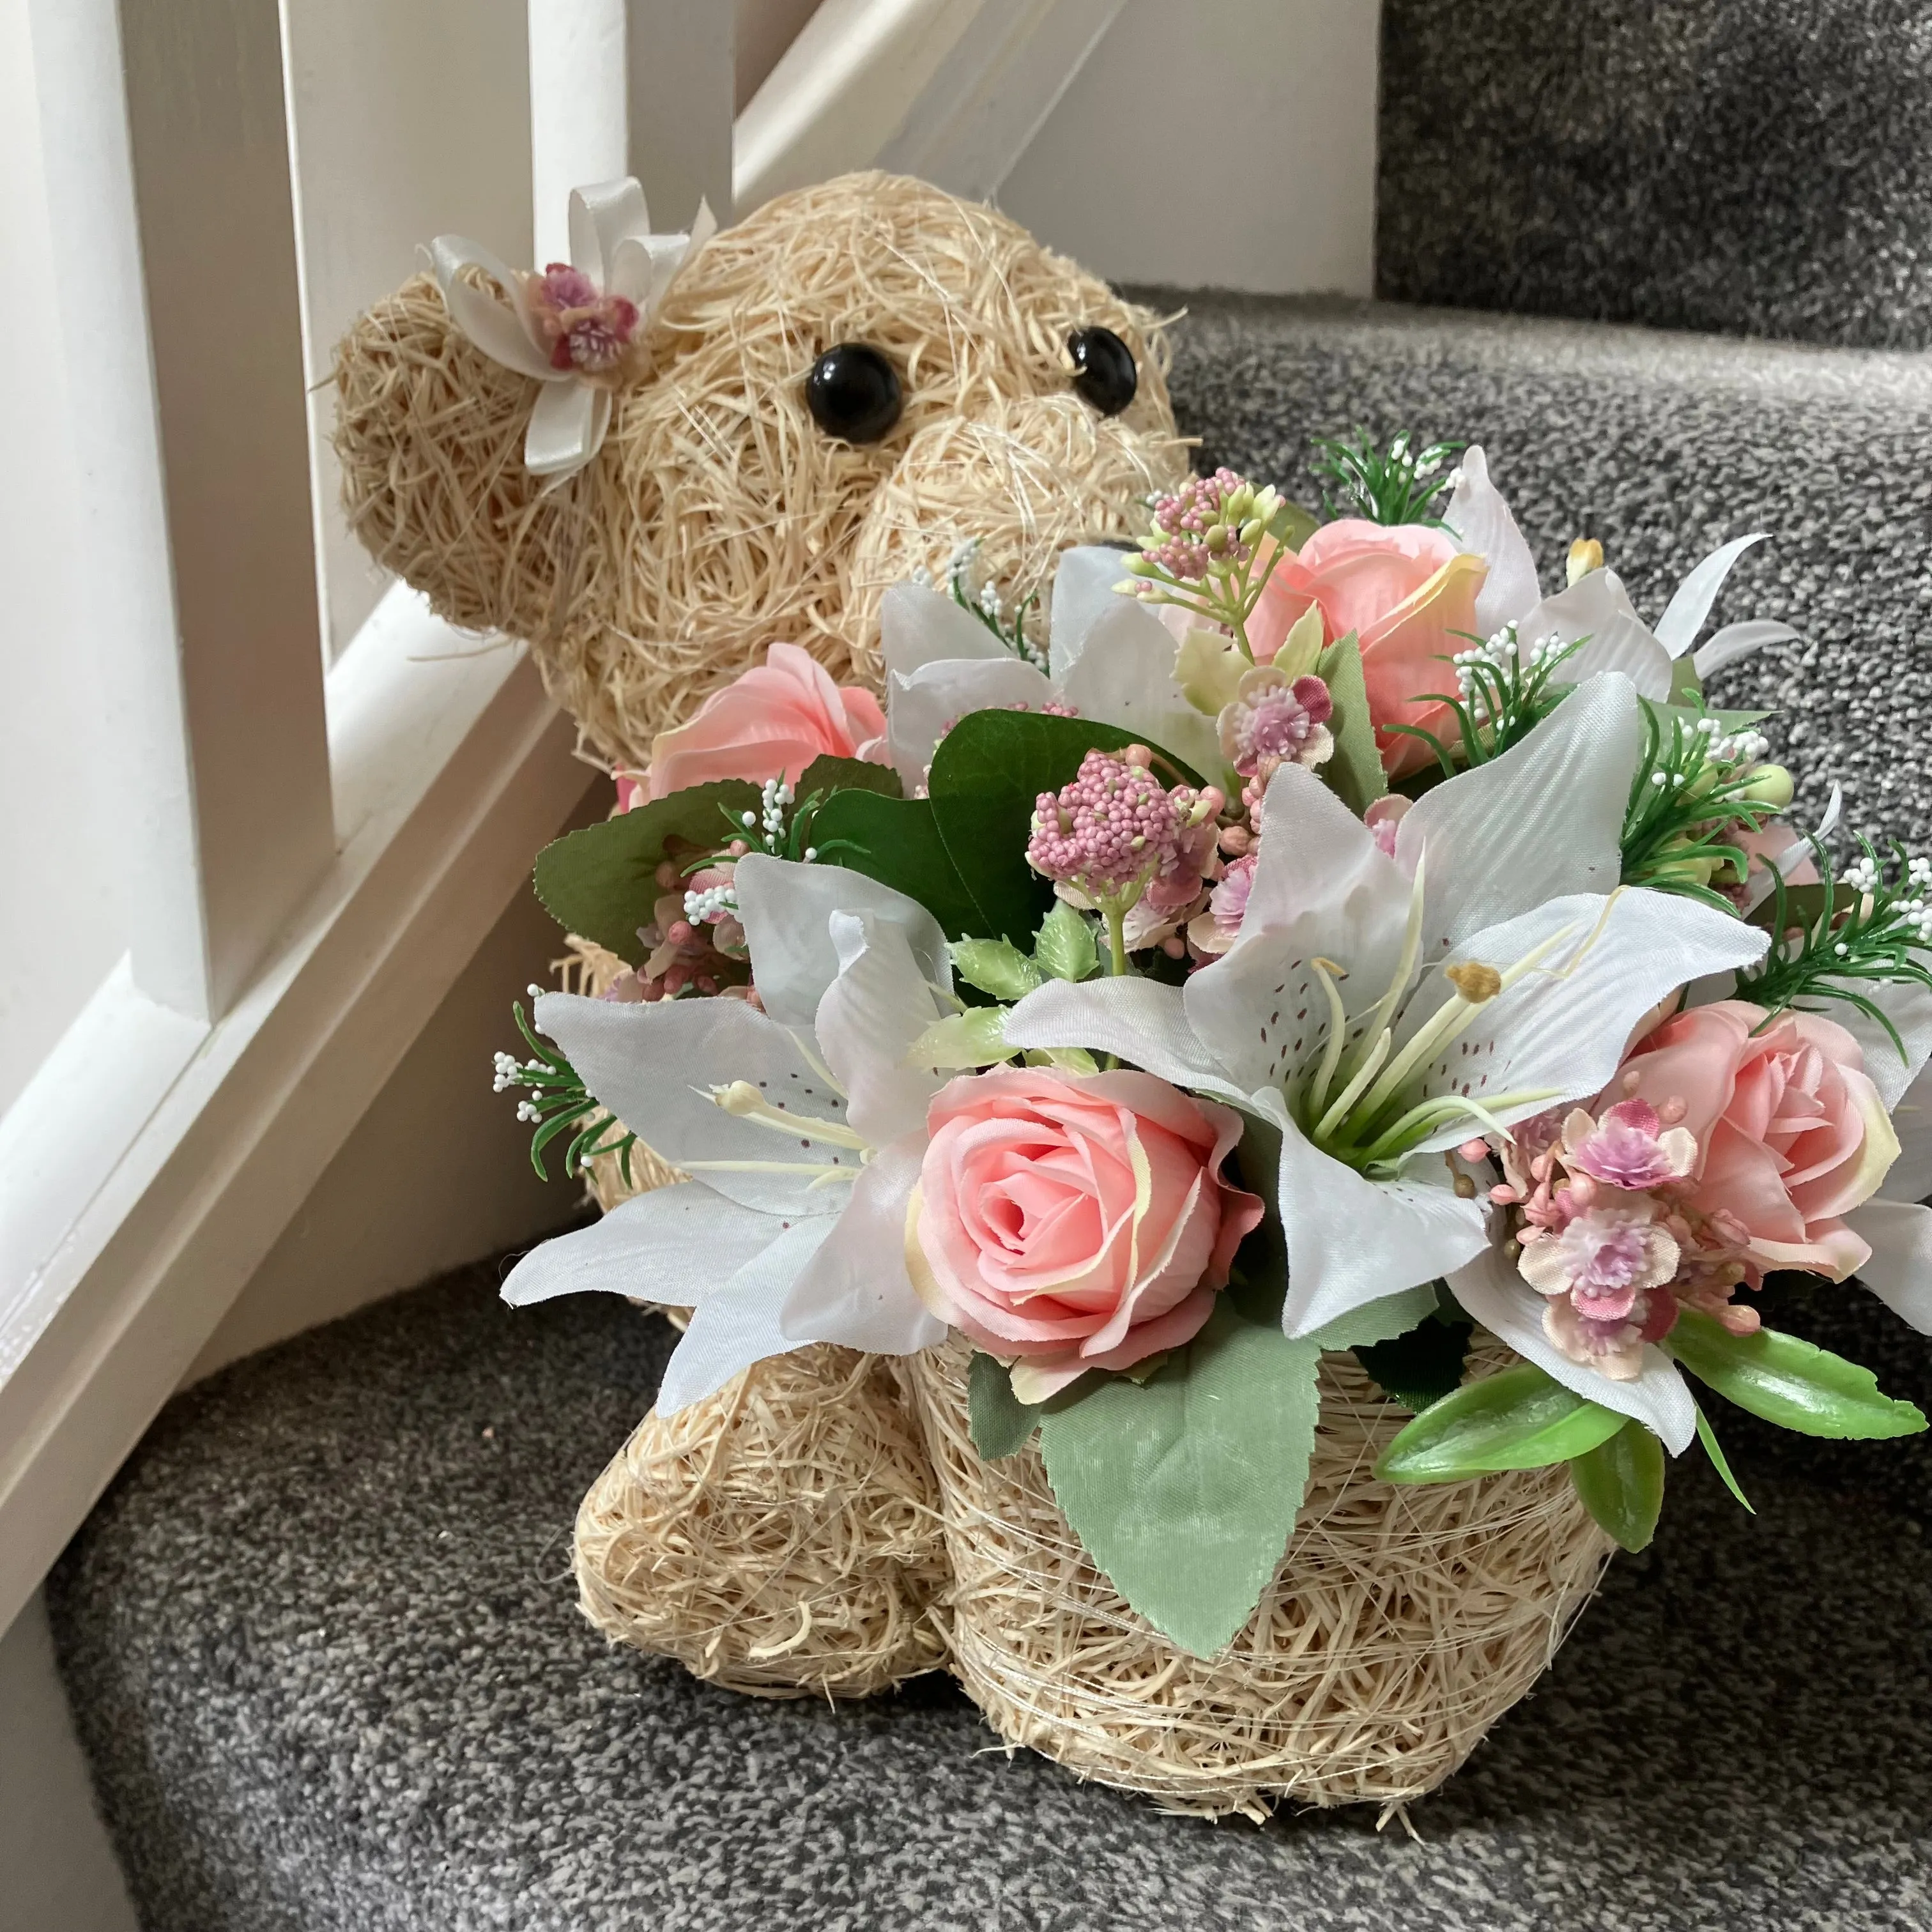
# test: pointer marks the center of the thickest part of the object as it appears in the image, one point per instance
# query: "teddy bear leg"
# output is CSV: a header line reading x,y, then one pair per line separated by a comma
x,y
781,1537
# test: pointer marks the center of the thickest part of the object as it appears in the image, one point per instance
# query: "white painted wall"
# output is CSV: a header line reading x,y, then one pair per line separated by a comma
x,y
58,1871
62,923
1224,144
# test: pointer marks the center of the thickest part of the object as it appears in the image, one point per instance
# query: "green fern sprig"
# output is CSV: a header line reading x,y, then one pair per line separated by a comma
x,y
561,1105
1392,486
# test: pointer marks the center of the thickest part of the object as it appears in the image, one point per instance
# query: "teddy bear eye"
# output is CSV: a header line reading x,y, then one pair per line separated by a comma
x,y
1103,369
853,392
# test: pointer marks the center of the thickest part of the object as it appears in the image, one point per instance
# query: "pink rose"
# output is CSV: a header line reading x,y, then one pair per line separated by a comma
x,y
1408,593
770,721
1791,1133
1066,1224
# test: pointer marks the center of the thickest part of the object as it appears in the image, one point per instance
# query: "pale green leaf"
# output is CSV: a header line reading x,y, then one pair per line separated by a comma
x,y
1064,948
1185,1490
1380,1321
1000,1422
974,1038
995,966
1355,773
1208,668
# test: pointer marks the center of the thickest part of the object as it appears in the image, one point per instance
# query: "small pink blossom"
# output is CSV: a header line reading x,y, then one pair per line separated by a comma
x,y
1383,817
1629,1146
1274,722
586,330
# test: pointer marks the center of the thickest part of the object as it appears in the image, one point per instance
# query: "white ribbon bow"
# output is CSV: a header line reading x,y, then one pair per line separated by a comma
x,y
578,348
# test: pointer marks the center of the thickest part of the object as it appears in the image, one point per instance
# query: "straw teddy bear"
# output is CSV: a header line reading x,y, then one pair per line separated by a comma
x,y
797,413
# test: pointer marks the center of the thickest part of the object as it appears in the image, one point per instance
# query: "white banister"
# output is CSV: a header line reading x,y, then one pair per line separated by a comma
x,y
168,194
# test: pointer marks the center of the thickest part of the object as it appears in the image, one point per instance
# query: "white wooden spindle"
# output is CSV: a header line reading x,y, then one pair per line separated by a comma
x,y
168,200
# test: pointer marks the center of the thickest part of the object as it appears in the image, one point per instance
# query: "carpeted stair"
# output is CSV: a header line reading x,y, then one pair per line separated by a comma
x,y
320,1636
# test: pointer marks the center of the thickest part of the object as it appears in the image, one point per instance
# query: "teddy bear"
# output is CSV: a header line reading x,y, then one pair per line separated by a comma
x,y
831,396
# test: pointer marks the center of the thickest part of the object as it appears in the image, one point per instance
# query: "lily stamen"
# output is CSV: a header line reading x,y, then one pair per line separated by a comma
x,y
744,1101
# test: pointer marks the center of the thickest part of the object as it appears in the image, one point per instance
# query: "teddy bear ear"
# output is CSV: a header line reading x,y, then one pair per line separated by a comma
x,y
430,433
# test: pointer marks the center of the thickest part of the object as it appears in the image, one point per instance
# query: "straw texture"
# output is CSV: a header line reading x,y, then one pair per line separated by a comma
x,y
1401,1623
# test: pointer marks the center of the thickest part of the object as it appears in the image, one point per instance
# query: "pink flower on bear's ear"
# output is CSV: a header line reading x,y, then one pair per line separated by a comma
x,y
1791,1132
770,722
1409,594
1065,1224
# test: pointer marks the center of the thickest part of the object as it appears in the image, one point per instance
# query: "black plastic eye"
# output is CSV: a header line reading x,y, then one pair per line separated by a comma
x,y
853,392
1103,369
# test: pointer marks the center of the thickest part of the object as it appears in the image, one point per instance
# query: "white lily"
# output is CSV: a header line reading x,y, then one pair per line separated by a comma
x,y
1379,1012
1596,606
611,243
1896,1226
1109,658
801,1128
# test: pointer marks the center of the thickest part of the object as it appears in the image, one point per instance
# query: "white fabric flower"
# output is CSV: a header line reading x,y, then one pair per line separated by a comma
x,y
802,1127
1597,606
1379,1011
612,248
1109,658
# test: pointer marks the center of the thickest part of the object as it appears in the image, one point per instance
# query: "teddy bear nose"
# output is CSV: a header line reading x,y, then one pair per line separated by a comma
x,y
853,392
1103,369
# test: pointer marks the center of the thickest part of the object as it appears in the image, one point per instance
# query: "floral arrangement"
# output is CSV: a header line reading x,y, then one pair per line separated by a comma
x,y
1299,934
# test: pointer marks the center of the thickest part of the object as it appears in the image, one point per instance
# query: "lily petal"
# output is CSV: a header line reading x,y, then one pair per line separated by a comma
x,y
786,910
1560,1031
1910,1178
1481,522
919,626
879,1003
1351,1241
1124,675
1684,616
1735,641
1498,1298
1596,612
1543,820
1899,1270
1083,593
921,708
672,1245
658,1064
1140,1021
567,428
740,1321
1909,1007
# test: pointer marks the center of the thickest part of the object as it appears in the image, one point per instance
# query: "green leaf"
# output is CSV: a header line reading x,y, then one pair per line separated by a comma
x,y
1380,1321
987,776
1185,1490
995,966
1000,1423
1622,1483
600,881
1423,1366
1686,688
974,1038
1790,1382
1521,1419
828,775
1355,774
896,841
1708,1436
1064,948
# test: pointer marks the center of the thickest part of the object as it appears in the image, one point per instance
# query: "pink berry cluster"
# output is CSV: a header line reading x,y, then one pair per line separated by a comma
x,y
587,330
1117,833
1195,528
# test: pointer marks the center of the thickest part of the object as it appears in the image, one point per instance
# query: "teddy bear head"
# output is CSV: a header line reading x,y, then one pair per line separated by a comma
x,y
751,487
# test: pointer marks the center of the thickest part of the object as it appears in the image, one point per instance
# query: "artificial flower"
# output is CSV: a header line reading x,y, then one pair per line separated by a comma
x,y
1065,1224
1109,658
1375,1008
574,327
801,1128
769,722
1407,591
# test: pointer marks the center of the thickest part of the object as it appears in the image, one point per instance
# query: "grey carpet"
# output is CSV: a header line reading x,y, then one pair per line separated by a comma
x,y
1758,167
1662,446
320,1640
